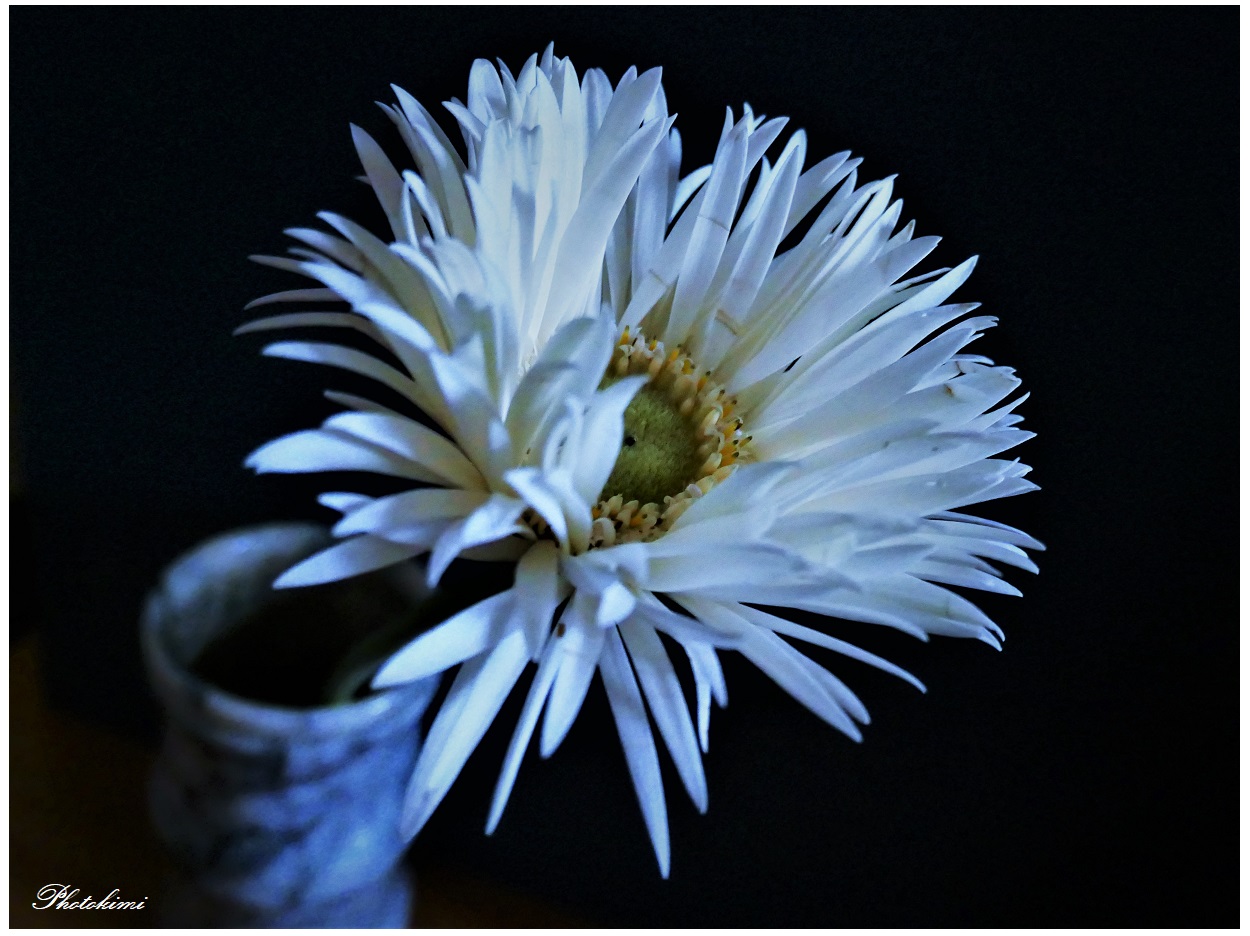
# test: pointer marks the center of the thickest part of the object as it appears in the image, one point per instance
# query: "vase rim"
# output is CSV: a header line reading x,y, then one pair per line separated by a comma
x,y
175,683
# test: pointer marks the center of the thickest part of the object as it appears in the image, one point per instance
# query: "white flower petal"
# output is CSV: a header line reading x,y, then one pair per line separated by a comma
x,y
539,590
538,493
642,235
579,644
312,319
868,402
493,520
357,403
614,604
327,246
686,630
624,113
792,671
382,176
295,295
462,636
930,493
743,279
711,231
576,356
410,508
818,376
709,681
474,424
668,707
721,566
956,572
410,340
344,560
343,502
816,183
439,164
798,631
638,744
321,450
586,236
530,712
687,187
356,290
347,358
748,487
602,431
414,442
486,98
459,727
553,497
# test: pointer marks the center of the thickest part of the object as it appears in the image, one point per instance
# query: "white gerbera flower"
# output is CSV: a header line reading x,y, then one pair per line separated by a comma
x,y
661,416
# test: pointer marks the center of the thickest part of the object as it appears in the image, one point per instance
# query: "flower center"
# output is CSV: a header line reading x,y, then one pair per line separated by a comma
x,y
660,454
681,439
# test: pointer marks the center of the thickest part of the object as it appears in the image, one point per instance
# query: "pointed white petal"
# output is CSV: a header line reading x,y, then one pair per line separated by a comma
x,y
686,630
319,450
711,231
458,729
730,568
790,629
295,295
551,494
667,704
539,589
414,442
312,319
638,743
344,560
464,635
347,358
385,181
579,643
577,355
342,501
534,701
584,241
602,432
709,681
410,508
792,671
495,519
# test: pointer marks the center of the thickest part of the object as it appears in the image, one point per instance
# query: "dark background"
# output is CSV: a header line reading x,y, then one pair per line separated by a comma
x,y
1085,776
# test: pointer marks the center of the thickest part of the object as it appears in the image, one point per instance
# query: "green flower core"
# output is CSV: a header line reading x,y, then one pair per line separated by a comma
x,y
681,439
660,454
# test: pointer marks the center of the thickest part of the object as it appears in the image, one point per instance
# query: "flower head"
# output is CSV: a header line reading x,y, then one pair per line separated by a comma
x,y
661,415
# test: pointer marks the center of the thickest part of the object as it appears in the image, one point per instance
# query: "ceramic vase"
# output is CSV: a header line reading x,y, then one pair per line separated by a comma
x,y
276,815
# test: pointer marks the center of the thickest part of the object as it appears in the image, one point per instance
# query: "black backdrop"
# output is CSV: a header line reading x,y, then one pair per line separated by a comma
x,y
1087,775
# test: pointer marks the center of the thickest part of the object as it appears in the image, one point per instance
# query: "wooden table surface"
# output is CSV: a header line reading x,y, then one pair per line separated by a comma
x,y
77,815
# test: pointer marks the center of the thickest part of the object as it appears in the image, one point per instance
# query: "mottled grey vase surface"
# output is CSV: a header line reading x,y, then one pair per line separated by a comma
x,y
284,816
